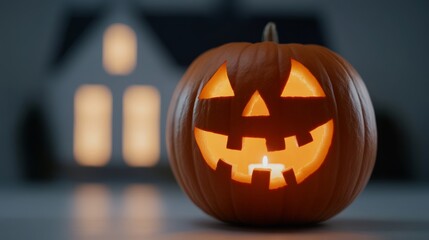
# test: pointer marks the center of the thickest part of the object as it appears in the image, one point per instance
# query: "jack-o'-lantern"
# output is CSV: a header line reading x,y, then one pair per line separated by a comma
x,y
270,133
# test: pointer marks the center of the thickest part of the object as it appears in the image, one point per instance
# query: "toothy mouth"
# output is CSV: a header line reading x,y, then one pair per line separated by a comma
x,y
288,166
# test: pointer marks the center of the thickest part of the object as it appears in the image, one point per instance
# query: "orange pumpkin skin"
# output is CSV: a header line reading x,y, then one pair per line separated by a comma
x,y
333,186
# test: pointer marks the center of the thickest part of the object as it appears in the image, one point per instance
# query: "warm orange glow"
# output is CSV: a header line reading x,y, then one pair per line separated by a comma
x,y
275,168
91,210
99,212
218,85
301,83
303,160
256,106
92,125
142,211
119,49
254,155
141,126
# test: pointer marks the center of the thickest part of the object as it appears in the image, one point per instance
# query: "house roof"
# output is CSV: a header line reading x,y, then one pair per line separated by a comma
x,y
76,24
185,36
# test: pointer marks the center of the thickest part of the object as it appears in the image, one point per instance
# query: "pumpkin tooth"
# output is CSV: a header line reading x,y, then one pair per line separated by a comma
x,y
261,178
303,138
224,169
275,144
235,143
289,176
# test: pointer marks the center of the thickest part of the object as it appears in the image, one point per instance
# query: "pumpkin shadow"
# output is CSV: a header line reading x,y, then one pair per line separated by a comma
x,y
336,225
235,227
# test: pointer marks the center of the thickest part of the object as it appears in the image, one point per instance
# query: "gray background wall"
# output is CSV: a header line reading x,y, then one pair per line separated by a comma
x,y
385,40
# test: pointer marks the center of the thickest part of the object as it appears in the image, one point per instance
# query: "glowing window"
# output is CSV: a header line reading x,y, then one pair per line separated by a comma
x,y
92,125
119,49
141,125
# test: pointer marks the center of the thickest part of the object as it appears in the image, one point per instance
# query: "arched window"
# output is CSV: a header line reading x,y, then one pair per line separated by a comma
x,y
92,125
119,49
141,125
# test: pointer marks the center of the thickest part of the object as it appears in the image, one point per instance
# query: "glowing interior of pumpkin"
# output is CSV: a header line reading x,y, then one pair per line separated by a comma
x,y
254,156
256,106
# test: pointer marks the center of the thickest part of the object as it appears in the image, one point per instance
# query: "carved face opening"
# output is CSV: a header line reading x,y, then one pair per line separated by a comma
x,y
288,134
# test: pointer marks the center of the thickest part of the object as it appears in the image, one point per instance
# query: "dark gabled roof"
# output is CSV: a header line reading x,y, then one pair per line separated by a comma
x,y
185,36
77,22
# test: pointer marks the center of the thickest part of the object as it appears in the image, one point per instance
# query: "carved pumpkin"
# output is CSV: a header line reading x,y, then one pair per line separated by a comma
x,y
270,133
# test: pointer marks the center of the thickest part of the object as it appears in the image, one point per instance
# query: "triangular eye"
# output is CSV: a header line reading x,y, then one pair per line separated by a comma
x,y
256,107
301,83
218,85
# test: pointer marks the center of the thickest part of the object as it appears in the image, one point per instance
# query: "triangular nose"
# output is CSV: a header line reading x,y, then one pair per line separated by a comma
x,y
255,107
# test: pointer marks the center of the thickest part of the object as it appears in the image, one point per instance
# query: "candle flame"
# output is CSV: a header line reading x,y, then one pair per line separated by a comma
x,y
265,161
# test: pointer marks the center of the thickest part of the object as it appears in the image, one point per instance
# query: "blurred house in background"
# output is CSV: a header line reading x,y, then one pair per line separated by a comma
x,y
86,84
110,91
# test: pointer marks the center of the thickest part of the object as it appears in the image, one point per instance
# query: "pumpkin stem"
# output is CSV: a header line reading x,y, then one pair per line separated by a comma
x,y
270,33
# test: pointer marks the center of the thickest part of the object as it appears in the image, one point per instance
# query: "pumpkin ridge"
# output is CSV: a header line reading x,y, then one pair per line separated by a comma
x,y
361,118
175,150
343,157
233,193
210,207
338,202
364,168
336,117
325,211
